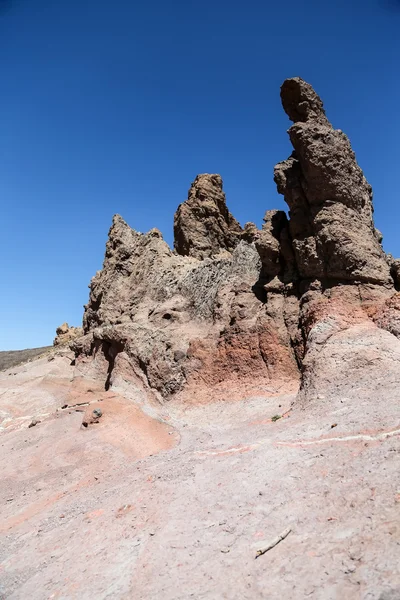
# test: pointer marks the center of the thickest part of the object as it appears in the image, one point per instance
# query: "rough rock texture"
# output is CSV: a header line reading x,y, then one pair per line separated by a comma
x,y
170,320
66,334
273,244
242,309
345,280
330,201
203,225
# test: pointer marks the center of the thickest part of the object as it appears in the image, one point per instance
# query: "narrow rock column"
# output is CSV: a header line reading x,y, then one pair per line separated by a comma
x,y
329,198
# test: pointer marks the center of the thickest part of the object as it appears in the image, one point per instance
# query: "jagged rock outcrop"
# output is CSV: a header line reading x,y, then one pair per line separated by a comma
x,y
330,201
203,225
345,280
171,321
66,334
232,310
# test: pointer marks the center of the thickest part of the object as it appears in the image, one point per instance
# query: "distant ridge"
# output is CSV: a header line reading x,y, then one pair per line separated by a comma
x,y
12,358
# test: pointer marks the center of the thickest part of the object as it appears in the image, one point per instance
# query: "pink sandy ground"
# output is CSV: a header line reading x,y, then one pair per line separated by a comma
x,y
172,502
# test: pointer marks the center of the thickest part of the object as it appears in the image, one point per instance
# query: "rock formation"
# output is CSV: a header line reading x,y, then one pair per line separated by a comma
x,y
330,201
203,225
236,311
66,334
169,320
299,322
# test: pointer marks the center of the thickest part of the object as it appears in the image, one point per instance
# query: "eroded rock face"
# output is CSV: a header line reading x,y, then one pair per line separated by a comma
x,y
274,246
235,311
172,321
203,225
66,334
330,201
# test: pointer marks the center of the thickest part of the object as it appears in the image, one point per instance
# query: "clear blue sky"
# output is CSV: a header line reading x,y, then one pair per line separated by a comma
x,y
114,106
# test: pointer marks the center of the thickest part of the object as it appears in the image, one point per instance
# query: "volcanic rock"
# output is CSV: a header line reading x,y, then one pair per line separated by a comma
x,y
203,225
274,247
66,334
330,201
168,321
234,310
231,315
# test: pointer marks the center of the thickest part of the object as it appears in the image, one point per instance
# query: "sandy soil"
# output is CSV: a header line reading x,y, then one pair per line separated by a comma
x,y
174,502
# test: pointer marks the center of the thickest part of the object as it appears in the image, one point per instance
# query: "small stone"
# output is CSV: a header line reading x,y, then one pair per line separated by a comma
x,y
33,423
179,355
97,413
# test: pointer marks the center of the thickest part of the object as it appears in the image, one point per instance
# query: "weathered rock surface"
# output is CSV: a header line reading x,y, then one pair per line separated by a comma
x,y
330,201
203,225
66,334
241,321
345,280
241,309
171,321
273,244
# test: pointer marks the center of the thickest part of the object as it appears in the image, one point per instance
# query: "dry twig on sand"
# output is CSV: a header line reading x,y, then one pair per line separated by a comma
x,y
273,543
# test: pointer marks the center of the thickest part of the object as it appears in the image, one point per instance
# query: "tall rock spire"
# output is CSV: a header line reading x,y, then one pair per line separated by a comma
x,y
330,200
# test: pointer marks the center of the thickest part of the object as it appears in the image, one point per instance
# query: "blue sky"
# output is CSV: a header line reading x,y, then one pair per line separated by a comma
x,y
115,106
